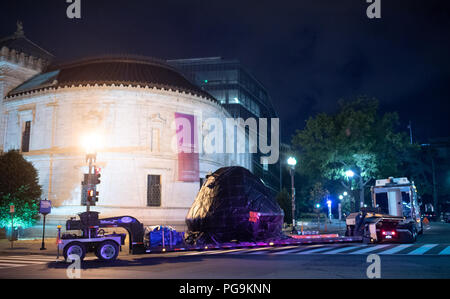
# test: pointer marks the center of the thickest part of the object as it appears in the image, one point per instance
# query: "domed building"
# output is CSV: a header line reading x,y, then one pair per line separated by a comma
x,y
134,106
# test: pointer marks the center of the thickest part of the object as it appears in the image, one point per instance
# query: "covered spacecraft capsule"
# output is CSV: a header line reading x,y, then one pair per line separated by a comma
x,y
233,205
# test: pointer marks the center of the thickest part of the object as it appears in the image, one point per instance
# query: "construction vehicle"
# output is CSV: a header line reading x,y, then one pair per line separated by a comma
x,y
394,217
93,238
107,246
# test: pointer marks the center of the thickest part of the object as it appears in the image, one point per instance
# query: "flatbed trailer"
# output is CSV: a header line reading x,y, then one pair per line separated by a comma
x,y
107,246
288,241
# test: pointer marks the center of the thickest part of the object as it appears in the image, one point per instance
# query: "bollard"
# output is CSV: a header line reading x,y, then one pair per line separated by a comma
x,y
58,238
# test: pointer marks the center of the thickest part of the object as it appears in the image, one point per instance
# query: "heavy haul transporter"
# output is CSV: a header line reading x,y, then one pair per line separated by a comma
x,y
395,216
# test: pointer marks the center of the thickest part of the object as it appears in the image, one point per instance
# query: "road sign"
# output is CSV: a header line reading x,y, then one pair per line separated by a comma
x,y
11,209
45,207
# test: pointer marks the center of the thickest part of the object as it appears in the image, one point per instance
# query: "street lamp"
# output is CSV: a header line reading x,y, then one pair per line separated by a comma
x,y
91,143
329,209
292,162
349,173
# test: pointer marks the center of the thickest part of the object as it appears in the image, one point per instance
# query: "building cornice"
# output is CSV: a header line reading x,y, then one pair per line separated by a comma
x,y
22,59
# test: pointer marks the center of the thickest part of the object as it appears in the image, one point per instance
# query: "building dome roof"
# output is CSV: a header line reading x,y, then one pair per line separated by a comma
x,y
126,70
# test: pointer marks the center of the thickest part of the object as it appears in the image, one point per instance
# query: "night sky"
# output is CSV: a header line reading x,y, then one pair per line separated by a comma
x,y
308,53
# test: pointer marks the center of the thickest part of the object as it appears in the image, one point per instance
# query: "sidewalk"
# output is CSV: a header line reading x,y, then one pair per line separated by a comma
x,y
32,246
27,246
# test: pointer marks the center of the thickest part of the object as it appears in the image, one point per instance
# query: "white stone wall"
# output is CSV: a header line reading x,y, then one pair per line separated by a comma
x,y
15,68
127,119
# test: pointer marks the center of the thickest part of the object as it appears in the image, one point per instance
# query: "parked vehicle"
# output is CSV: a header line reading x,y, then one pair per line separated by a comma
x,y
395,216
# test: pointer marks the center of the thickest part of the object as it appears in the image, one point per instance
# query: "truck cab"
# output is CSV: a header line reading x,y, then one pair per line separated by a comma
x,y
398,197
394,217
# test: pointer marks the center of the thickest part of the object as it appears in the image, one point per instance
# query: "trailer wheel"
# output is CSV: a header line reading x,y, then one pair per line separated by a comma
x,y
107,250
74,248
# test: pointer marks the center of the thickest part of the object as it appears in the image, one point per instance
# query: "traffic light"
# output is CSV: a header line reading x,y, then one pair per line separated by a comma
x,y
92,197
97,176
86,180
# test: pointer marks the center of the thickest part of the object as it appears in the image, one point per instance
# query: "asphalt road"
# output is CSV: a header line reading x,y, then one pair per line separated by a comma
x,y
428,258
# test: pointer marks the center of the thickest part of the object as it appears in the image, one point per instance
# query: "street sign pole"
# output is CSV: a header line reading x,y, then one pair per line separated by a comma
x,y
58,240
45,207
12,210
43,235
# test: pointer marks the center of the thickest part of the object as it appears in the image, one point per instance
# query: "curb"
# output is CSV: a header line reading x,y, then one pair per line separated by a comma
x,y
4,252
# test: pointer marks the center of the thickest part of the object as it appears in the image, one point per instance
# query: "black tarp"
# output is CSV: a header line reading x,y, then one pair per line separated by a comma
x,y
233,204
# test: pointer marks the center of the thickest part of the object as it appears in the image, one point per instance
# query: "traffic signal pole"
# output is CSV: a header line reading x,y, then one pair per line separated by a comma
x,y
91,158
88,202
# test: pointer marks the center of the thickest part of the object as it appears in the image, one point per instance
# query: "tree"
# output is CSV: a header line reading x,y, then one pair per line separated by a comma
x,y
355,138
285,201
18,186
317,194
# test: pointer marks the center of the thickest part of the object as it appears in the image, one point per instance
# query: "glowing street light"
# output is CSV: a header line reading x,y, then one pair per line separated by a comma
x,y
91,143
349,173
341,197
329,209
292,161
345,193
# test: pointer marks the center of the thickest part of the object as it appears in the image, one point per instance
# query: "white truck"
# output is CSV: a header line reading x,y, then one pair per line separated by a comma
x,y
394,217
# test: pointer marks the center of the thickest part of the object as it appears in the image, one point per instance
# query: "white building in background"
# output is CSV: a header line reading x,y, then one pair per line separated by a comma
x,y
131,104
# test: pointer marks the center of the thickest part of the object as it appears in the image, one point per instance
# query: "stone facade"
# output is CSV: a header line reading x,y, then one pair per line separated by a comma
x,y
137,129
15,68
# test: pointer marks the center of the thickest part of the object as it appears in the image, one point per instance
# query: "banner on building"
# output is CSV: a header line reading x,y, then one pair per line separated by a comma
x,y
187,143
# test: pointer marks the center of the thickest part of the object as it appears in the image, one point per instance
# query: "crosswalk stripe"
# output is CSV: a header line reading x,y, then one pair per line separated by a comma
x,y
341,250
314,250
258,250
274,249
396,249
321,249
446,251
369,249
296,249
422,249
249,250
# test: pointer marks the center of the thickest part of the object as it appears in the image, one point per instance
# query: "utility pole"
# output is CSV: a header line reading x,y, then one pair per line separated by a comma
x,y
435,196
292,162
410,132
433,173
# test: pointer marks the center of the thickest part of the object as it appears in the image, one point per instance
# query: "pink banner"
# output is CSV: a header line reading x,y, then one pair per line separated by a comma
x,y
188,164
